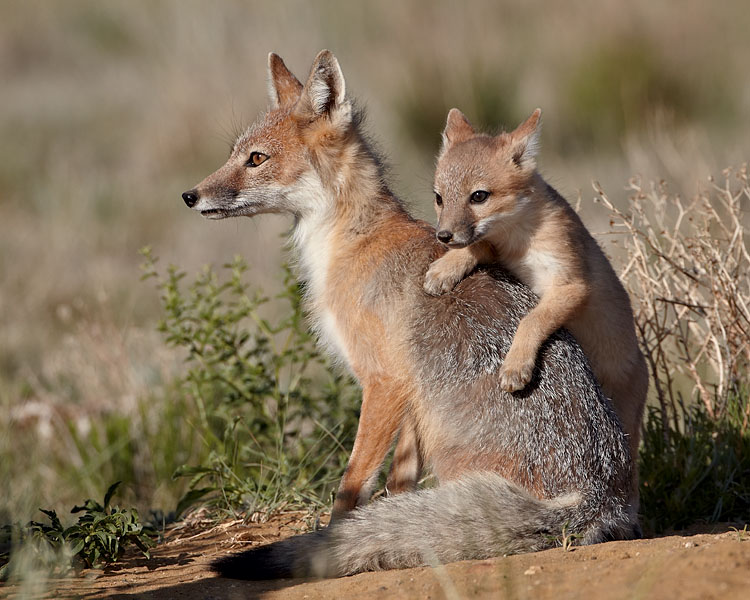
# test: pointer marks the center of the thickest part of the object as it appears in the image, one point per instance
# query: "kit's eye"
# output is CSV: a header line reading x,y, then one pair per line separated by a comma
x,y
479,196
438,199
256,159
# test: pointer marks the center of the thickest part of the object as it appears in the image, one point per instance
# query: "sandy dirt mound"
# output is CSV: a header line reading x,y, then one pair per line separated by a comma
x,y
706,565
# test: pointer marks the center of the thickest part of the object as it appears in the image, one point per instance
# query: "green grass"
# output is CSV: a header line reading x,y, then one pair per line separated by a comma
x,y
698,472
52,457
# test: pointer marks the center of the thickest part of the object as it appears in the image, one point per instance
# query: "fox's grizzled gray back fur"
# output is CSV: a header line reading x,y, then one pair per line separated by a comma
x,y
561,428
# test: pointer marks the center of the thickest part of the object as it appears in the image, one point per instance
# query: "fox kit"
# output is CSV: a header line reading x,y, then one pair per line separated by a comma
x,y
494,207
512,471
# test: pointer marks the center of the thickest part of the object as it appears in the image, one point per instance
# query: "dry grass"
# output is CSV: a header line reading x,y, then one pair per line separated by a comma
x,y
688,274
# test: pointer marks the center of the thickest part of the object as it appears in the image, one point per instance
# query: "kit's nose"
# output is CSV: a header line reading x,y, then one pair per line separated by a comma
x,y
444,236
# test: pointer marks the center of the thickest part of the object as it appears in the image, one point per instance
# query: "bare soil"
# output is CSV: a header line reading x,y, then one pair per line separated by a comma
x,y
711,564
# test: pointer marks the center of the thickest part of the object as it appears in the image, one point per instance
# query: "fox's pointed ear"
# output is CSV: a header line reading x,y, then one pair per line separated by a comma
x,y
283,88
324,93
457,130
524,141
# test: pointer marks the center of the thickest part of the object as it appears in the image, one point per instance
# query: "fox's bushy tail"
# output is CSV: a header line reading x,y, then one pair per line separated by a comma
x,y
479,516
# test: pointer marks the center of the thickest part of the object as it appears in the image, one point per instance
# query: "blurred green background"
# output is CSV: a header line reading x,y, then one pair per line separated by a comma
x,y
110,109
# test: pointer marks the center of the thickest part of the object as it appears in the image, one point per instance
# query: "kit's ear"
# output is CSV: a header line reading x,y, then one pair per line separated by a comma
x,y
524,141
457,130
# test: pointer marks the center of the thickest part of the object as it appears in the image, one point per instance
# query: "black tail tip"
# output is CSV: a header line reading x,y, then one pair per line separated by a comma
x,y
258,564
233,566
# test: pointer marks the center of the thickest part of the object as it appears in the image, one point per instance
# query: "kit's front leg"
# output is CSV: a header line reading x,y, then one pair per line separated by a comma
x,y
557,306
445,272
380,417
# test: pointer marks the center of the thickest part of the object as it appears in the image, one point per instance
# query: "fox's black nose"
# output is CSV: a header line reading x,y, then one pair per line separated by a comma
x,y
444,235
190,198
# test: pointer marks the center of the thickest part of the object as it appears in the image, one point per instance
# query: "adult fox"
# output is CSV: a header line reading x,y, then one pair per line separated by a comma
x,y
514,469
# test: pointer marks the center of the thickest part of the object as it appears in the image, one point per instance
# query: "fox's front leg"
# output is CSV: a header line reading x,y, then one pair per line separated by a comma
x,y
406,466
557,306
380,417
453,266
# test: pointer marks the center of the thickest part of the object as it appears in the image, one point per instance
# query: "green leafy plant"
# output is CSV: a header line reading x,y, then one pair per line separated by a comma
x,y
103,533
100,537
275,418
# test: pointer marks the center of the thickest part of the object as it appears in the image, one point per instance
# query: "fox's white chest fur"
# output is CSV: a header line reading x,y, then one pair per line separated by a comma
x,y
312,240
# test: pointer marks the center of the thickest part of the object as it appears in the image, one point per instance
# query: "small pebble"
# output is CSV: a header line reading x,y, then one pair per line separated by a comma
x,y
532,570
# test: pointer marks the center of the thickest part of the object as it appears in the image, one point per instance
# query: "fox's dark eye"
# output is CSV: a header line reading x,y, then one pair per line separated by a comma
x,y
479,196
256,159
438,199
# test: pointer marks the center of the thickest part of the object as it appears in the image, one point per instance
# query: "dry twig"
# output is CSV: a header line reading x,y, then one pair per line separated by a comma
x,y
687,270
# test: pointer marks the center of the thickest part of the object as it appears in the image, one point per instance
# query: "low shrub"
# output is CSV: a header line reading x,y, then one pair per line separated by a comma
x,y
276,419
